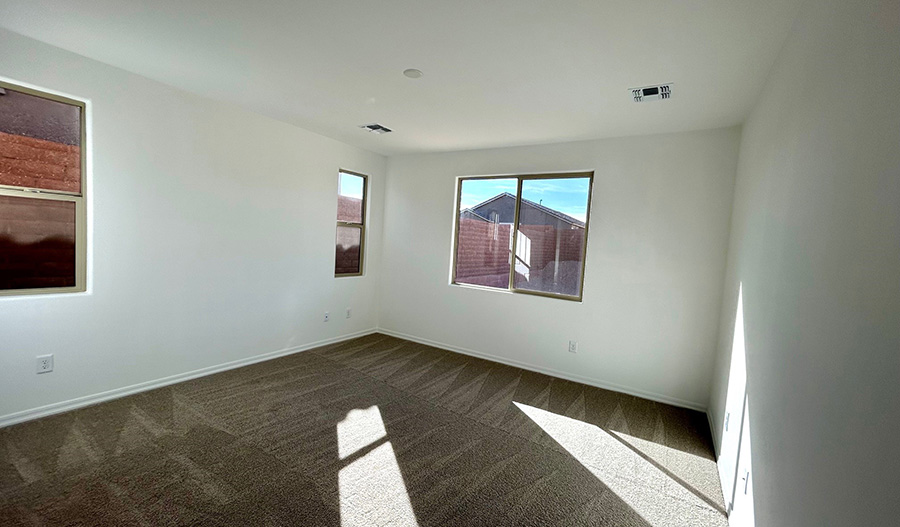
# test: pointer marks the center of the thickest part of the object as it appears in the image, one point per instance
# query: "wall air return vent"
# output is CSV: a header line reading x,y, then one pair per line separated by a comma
x,y
652,93
376,128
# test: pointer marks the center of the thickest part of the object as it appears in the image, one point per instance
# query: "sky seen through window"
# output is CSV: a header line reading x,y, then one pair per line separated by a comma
x,y
566,195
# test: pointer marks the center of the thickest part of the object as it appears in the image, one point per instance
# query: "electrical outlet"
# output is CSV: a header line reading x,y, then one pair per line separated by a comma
x,y
573,346
326,317
348,312
44,363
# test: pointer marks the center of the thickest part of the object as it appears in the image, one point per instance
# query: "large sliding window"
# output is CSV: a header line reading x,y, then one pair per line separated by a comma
x,y
42,209
351,224
526,234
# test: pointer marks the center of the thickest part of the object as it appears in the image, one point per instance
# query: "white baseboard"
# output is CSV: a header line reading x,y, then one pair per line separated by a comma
x,y
71,404
79,402
562,375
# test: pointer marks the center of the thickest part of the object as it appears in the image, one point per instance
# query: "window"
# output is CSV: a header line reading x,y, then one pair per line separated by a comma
x,y
42,209
351,220
525,234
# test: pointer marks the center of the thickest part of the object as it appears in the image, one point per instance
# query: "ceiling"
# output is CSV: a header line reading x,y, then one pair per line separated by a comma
x,y
497,73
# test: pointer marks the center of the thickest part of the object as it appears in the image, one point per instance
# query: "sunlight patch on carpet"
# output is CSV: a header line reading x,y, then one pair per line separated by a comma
x,y
372,491
658,499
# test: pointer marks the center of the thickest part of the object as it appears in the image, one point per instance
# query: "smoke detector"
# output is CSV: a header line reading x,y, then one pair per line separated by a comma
x,y
652,93
376,128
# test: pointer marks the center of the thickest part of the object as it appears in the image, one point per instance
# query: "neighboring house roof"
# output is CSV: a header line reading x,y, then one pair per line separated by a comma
x,y
474,215
547,210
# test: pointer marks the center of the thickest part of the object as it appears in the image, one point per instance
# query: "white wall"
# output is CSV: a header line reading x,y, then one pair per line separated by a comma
x,y
655,262
213,239
815,241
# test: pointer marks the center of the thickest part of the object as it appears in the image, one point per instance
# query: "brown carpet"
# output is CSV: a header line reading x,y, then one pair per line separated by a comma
x,y
370,432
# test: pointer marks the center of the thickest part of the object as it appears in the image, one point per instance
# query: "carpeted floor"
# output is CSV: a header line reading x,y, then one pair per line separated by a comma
x,y
369,432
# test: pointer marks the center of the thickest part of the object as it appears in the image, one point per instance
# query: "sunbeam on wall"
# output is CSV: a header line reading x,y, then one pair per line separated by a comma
x,y
660,499
734,403
371,487
734,452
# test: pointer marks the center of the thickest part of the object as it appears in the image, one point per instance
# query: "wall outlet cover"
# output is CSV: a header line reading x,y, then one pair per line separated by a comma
x,y
44,363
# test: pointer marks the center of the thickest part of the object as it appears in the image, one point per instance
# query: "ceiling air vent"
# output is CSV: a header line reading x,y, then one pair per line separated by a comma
x,y
652,93
376,128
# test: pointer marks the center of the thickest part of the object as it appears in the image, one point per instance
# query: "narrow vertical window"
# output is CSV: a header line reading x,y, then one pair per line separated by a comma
x,y
42,210
351,228
526,234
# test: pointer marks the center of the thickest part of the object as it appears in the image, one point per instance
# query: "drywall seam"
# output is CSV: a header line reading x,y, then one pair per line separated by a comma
x,y
547,371
88,400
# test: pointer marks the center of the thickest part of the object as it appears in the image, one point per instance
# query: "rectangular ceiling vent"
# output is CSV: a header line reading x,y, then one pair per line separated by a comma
x,y
652,93
376,128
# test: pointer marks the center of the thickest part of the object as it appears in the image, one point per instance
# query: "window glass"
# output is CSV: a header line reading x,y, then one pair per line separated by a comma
x,y
40,142
37,243
550,236
484,239
42,208
351,230
347,250
531,227
350,198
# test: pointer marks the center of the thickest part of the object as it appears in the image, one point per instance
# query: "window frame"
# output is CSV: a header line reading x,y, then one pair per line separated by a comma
x,y
511,288
79,198
361,225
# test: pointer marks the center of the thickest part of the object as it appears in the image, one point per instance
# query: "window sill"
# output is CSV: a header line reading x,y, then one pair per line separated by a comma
x,y
525,292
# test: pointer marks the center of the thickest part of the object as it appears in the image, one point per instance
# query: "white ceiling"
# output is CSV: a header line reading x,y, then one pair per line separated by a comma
x,y
497,73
